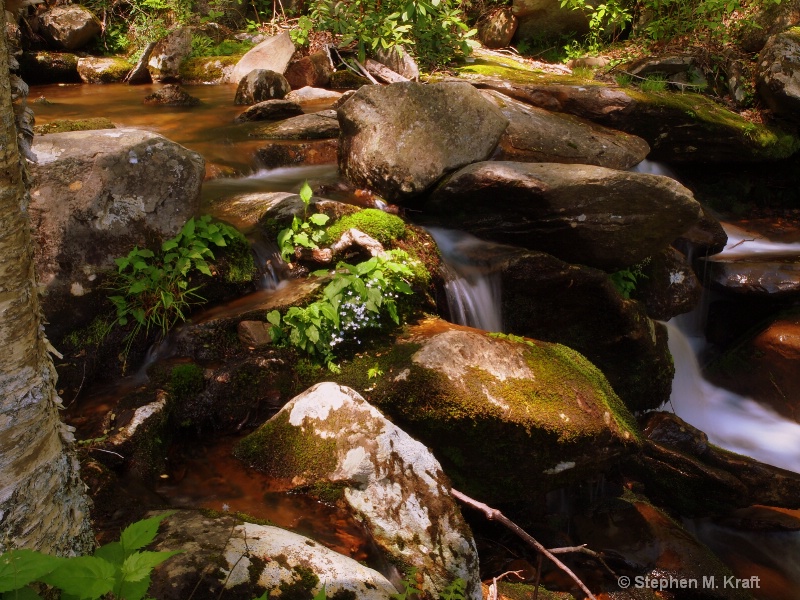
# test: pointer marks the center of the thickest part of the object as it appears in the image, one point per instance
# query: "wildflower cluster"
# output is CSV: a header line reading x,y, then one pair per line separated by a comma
x,y
358,298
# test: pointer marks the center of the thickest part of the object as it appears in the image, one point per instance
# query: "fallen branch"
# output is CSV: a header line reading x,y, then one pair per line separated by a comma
x,y
383,72
495,515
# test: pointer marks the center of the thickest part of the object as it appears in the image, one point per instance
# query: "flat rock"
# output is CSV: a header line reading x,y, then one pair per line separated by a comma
x,y
537,135
313,126
270,110
579,213
273,54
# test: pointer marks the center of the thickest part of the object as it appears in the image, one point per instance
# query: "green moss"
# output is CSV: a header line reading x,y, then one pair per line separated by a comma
x,y
377,224
283,450
767,143
525,591
236,260
90,336
301,587
206,69
511,70
63,125
185,381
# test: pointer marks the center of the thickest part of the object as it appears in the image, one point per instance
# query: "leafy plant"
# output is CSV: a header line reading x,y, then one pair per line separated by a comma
x,y
411,589
433,29
359,297
307,232
119,568
154,288
625,280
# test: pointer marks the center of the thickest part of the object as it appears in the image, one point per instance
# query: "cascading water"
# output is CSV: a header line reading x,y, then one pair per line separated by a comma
x,y
473,290
731,421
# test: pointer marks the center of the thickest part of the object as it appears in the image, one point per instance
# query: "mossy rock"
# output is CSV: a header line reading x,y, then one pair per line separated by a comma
x,y
62,125
377,224
207,69
509,419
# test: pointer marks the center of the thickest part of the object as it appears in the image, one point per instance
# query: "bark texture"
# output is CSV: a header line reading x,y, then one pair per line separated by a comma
x,y
43,504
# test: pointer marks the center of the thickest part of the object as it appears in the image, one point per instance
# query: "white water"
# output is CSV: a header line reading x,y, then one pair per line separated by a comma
x,y
734,422
473,290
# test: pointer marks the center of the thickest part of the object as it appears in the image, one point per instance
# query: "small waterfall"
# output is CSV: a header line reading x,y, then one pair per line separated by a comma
x,y
269,264
731,421
654,168
473,290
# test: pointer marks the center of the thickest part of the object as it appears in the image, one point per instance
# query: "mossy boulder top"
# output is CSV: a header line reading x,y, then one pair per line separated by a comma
x,y
582,214
508,418
329,435
401,138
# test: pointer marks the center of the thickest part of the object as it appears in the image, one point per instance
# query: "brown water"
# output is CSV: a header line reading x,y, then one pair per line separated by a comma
x,y
208,128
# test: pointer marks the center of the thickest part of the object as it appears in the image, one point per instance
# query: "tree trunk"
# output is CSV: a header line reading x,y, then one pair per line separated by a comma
x,y
43,505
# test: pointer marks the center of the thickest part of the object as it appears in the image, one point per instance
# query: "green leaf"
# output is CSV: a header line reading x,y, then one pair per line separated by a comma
x,y
218,239
305,193
302,239
112,552
169,245
132,590
312,333
138,287
145,253
139,565
141,533
188,228
402,287
274,317
202,266
319,219
85,577
20,567
25,593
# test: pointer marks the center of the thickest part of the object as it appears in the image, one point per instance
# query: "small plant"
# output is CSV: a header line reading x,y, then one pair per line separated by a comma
x,y
357,298
154,288
411,588
119,568
374,372
301,34
654,83
626,280
307,232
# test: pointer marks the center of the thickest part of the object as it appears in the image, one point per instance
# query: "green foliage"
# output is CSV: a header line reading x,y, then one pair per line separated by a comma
x,y
411,589
456,590
154,288
358,298
132,24
654,83
307,232
301,34
433,29
202,45
625,280
118,568
377,224
606,20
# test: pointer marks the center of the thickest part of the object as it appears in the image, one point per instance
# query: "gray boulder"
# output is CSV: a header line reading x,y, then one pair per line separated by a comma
x,y
581,214
778,77
548,19
99,69
260,85
169,53
69,26
399,139
272,54
171,95
97,194
392,483
241,560
537,135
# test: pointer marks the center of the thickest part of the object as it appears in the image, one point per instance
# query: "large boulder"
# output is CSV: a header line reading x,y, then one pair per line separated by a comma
x,y
272,54
547,299
49,67
242,560
97,194
581,214
387,130
168,54
95,69
330,436
680,128
778,77
497,27
509,418
69,26
310,71
260,85
537,135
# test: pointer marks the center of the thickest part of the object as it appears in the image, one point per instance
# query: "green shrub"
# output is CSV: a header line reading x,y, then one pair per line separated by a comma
x,y
307,232
358,298
153,289
118,568
433,29
377,224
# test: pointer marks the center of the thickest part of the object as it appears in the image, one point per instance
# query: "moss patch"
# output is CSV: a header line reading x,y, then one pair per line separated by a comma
x,y
63,125
283,450
377,224
206,69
